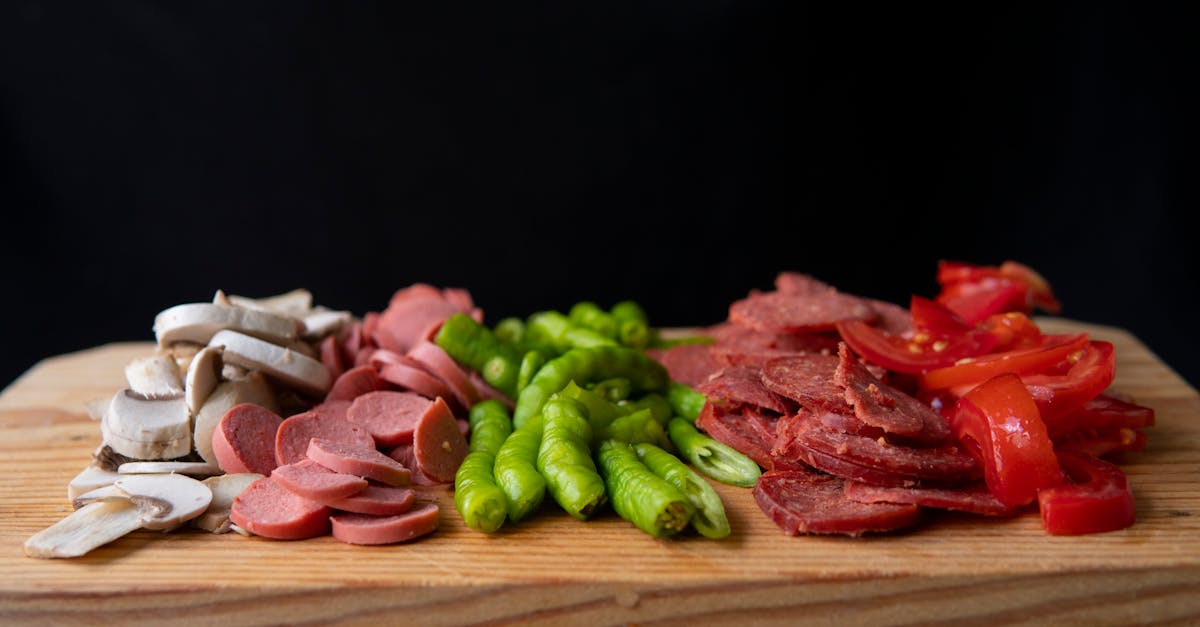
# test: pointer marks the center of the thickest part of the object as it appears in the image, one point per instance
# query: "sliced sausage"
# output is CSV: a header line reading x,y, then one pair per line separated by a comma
x,y
808,380
389,416
415,379
267,509
974,499
748,431
881,405
438,444
741,385
316,482
291,441
331,356
377,500
407,320
801,284
807,502
780,312
244,440
357,460
354,383
437,361
689,364
365,529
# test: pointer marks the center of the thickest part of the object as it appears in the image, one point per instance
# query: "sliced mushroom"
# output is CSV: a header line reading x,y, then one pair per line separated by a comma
x,y
198,322
203,375
304,373
191,469
320,323
253,389
166,501
225,489
147,429
295,303
155,376
182,353
89,479
87,528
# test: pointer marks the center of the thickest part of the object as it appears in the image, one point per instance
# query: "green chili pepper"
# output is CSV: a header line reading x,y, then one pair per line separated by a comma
x,y
640,426
555,329
633,327
656,403
613,390
565,459
629,310
598,410
711,457
709,519
685,401
510,330
478,498
530,363
584,365
638,495
516,469
589,315
474,346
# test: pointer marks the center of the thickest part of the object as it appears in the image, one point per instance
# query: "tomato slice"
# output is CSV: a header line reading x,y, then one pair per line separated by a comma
x,y
1013,330
1028,361
1102,412
975,301
1038,291
1039,288
935,318
1088,373
913,355
999,424
1097,500
1101,442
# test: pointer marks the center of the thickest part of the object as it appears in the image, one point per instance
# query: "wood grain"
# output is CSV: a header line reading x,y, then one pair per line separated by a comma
x,y
555,570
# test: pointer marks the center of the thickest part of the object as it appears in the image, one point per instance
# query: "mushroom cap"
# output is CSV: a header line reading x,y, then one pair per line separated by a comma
x,y
166,501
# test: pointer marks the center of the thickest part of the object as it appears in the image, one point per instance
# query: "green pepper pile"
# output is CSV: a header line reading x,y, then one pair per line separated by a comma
x,y
596,422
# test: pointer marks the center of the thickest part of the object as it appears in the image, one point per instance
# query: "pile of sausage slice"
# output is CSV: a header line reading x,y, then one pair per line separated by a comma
x,y
848,450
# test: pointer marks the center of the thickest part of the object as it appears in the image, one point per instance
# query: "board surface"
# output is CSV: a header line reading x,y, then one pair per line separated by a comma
x,y
555,570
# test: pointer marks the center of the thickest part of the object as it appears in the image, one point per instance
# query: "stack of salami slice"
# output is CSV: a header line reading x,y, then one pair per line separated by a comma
x,y
847,449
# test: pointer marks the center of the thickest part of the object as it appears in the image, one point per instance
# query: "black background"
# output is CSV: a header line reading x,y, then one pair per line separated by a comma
x,y
675,153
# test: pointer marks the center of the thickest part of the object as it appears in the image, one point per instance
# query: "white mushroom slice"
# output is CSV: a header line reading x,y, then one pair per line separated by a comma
x,y
230,372
103,493
154,377
295,303
198,322
166,501
301,372
203,375
225,489
137,427
191,469
89,479
88,527
182,353
253,389
97,407
303,348
318,324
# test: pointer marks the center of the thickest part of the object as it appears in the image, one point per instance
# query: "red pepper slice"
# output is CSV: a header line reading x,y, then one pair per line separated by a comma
x,y
1028,361
999,424
1099,499
913,355
1102,412
934,318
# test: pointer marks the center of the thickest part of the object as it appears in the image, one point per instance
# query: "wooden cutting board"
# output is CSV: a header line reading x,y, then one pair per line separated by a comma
x,y
555,570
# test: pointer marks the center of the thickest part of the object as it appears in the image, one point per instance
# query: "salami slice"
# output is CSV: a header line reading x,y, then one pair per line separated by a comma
x,y
801,284
780,312
880,405
689,364
974,499
944,466
749,431
811,503
893,318
741,385
808,380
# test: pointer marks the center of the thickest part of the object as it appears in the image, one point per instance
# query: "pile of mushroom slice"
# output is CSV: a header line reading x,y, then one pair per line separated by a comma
x,y
156,451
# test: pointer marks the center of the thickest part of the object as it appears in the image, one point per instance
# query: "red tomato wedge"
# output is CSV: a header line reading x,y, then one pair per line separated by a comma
x,y
911,355
1028,361
1013,330
999,425
934,318
1097,499
974,302
969,279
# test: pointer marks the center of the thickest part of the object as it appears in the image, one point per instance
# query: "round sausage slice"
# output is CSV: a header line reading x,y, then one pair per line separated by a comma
x,y
806,502
438,443
316,482
413,378
268,509
244,440
389,416
291,441
377,500
975,498
354,383
807,379
365,529
781,312
435,359
357,460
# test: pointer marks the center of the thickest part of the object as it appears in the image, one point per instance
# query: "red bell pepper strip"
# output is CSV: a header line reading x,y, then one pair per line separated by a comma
x,y
1028,361
1097,500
